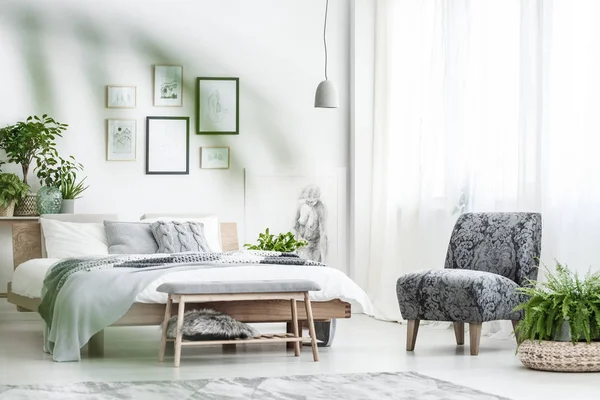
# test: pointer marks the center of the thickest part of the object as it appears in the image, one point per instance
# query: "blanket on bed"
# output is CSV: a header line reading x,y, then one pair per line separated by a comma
x,y
83,296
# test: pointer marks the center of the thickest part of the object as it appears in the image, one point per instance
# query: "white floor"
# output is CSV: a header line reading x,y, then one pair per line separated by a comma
x,y
362,345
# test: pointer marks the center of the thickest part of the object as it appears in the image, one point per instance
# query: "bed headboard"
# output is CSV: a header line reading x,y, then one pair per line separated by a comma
x,y
28,244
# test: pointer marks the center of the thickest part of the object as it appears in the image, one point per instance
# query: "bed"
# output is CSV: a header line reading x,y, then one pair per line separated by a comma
x,y
335,301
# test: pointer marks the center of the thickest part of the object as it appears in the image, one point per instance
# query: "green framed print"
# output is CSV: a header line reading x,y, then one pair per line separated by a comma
x,y
167,145
217,106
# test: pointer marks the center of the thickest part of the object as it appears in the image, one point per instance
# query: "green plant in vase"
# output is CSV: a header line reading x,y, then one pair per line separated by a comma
x,y
59,177
284,242
564,307
24,142
12,189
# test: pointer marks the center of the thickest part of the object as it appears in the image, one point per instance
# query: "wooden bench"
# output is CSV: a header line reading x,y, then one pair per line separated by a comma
x,y
190,292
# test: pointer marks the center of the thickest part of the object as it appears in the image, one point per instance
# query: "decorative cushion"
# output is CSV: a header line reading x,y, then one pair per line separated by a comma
x,y
212,228
73,239
457,295
177,237
207,324
223,287
130,238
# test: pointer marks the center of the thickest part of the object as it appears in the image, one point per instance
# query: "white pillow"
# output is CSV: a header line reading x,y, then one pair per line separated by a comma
x,y
212,228
73,239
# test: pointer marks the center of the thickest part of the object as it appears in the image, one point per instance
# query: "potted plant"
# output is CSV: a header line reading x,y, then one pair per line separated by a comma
x,y
284,242
12,189
25,141
59,177
565,307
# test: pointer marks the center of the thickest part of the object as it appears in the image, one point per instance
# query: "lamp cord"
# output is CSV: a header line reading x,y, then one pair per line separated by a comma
x,y
324,37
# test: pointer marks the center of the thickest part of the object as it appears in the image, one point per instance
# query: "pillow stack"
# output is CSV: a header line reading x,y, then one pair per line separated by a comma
x,y
162,235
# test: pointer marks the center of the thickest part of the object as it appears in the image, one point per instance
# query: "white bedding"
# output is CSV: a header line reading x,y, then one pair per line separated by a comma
x,y
28,280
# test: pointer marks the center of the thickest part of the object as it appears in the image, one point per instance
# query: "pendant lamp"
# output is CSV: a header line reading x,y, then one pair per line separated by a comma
x,y
326,95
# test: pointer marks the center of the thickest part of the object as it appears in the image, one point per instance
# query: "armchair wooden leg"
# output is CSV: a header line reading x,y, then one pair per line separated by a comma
x,y
459,332
474,336
515,322
411,334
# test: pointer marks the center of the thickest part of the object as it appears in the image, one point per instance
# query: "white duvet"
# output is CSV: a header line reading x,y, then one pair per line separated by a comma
x,y
29,277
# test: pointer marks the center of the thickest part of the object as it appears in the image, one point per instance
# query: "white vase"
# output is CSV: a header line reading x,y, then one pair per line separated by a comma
x,y
68,206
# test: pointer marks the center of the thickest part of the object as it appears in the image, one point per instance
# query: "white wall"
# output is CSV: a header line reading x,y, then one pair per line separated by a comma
x,y
57,56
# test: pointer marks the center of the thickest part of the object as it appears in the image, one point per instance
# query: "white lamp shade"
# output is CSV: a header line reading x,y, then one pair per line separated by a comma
x,y
326,96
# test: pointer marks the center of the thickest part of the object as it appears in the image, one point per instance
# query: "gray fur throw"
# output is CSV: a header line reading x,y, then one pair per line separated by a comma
x,y
207,324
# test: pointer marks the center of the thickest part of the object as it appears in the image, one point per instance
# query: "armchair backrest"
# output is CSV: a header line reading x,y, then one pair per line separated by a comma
x,y
506,244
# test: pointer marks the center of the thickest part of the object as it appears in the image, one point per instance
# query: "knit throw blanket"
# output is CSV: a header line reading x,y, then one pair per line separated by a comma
x,y
61,271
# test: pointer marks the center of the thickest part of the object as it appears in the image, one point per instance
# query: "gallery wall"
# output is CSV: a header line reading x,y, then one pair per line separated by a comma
x,y
57,57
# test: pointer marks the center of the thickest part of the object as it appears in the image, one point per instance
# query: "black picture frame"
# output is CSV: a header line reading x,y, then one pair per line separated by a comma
x,y
157,162
210,100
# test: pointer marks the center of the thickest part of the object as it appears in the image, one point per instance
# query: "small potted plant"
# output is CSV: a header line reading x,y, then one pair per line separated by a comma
x,y
12,189
562,313
59,177
28,140
284,242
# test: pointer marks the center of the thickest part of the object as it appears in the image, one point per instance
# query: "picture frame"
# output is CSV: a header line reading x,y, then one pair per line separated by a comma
x,y
167,145
121,96
214,157
217,106
168,86
121,140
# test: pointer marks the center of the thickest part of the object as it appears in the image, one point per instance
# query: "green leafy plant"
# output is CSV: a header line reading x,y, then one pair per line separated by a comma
x,y
565,296
11,189
30,139
284,242
53,170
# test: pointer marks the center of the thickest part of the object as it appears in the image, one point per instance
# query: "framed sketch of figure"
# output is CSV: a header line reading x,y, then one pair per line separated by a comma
x,y
119,96
217,106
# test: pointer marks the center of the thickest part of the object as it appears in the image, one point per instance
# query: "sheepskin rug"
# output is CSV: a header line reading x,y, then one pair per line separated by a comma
x,y
207,324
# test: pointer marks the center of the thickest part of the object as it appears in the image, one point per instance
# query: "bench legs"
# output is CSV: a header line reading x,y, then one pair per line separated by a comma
x,y
163,339
295,326
178,338
311,327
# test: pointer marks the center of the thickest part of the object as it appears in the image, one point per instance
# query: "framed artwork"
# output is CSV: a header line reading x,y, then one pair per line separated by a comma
x,y
121,140
214,157
120,96
167,145
217,106
168,85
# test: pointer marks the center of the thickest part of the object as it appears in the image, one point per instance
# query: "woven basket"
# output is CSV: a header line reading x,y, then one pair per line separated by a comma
x,y
27,206
8,210
560,356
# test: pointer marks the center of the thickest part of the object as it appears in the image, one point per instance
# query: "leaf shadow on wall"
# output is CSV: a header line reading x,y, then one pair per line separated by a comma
x,y
32,26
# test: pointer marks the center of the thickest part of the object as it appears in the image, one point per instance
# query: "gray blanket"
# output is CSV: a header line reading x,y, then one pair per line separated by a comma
x,y
81,297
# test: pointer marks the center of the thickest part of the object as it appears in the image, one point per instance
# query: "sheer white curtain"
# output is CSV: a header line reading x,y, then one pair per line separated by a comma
x,y
482,106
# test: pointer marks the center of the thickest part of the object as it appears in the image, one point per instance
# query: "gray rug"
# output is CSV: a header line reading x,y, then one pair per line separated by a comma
x,y
392,385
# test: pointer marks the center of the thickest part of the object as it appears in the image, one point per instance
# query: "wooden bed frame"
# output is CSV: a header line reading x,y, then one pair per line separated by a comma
x,y
26,238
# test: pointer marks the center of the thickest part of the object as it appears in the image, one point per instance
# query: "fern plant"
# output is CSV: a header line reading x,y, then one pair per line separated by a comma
x,y
284,242
565,296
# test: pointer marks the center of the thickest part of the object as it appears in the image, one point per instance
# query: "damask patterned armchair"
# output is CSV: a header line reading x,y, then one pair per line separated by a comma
x,y
489,256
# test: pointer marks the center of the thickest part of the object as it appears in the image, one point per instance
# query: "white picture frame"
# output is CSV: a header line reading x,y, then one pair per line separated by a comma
x,y
217,106
168,85
167,145
121,140
214,157
121,96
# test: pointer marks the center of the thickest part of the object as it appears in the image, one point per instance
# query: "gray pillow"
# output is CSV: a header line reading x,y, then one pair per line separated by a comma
x,y
130,238
177,237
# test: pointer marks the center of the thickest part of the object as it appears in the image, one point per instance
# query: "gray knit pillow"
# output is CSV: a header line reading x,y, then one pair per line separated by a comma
x,y
177,237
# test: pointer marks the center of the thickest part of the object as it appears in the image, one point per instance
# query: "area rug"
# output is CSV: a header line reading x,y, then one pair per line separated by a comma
x,y
384,385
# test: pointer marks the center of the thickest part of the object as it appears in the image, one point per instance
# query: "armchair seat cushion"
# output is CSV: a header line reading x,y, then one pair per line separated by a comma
x,y
457,295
